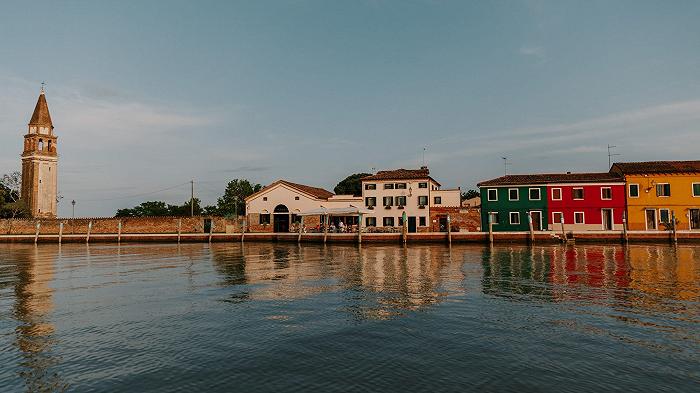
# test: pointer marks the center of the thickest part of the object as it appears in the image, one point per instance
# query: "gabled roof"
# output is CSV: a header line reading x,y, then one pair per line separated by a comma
x,y
41,116
649,167
550,178
401,174
316,192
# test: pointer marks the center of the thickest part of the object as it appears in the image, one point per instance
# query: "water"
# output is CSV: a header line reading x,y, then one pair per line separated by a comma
x,y
282,317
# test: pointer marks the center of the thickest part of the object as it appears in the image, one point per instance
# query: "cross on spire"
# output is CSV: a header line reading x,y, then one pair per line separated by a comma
x,y
42,86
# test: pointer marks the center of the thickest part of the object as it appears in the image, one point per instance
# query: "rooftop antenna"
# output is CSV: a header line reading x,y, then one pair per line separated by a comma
x,y
611,154
423,156
505,165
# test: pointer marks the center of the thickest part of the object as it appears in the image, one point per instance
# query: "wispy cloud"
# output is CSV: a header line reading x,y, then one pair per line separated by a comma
x,y
533,51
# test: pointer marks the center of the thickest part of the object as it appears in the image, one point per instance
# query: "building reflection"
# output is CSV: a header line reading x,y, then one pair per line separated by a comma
x,y
374,282
619,275
34,334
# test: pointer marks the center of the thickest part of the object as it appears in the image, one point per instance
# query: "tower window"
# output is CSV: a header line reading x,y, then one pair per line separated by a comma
x,y
41,144
49,145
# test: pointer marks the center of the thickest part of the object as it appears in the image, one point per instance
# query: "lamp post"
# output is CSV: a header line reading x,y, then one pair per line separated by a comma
x,y
72,222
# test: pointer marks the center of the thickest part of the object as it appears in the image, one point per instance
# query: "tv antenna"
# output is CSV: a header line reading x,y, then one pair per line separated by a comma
x,y
505,165
611,154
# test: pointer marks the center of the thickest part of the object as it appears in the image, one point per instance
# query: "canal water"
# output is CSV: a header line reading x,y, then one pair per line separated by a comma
x,y
284,318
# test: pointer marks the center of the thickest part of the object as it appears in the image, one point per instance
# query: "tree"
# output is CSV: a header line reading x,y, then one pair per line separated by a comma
x,y
232,203
469,194
11,205
351,185
160,208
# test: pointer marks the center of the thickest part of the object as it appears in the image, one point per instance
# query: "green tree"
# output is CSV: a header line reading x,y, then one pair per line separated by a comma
x,y
11,205
233,201
469,194
351,185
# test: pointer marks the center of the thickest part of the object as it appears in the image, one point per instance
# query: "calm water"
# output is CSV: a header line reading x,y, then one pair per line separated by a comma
x,y
282,317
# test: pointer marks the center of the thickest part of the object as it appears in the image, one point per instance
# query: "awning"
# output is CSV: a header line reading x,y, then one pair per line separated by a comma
x,y
337,211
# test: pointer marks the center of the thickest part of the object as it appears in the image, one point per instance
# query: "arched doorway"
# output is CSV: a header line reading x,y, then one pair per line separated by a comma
x,y
281,219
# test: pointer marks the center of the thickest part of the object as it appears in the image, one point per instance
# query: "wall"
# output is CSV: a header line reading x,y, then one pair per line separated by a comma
x,y
591,205
680,201
110,225
504,206
411,192
462,219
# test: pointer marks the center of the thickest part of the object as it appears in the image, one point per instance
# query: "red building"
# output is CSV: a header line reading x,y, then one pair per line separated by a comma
x,y
585,201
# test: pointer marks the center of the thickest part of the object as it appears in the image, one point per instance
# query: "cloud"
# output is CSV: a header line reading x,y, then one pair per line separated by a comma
x,y
533,51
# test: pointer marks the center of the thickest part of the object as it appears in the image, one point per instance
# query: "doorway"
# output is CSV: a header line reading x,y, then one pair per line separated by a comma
x,y
442,221
536,216
651,219
607,219
694,218
281,217
412,225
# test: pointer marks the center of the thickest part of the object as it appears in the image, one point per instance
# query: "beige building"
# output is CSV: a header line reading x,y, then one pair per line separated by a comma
x,y
276,208
40,163
413,192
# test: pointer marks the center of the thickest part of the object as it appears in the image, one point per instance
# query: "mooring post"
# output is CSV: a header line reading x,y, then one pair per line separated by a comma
x,y
325,229
179,230
211,230
119,232
36,236
673,227
243,229
449,229
87,238
563,231
301,228
490,228
532,229
359,228
60,232
624,227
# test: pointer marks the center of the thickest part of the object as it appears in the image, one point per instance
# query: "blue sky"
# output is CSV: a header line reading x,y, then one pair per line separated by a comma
x,y
148,95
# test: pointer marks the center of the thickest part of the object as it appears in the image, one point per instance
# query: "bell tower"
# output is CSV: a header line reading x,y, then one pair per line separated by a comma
x,y
40,162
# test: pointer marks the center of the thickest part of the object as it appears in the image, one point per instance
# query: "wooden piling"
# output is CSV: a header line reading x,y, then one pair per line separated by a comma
x,y
449,230
60,232
119,232
531,227
211,230
87,238
36,235
301,228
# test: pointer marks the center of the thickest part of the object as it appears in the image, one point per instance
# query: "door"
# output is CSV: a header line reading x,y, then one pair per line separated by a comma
x,y
536,220
607,219
651,219
281,219
411,224
207,225
694,218
443,224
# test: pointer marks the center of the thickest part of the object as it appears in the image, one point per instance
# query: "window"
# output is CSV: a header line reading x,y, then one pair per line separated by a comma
x,y
634,190
578,218
389,186
388,221
514,218
41,144
665,216
296,219
696,189
371,221
557,218
400,221
577,193
400,186
421,221
388,201
264,198
494,217
264,219
423,185
663,190
606,193
296,198
423,200
370,201
513,194
535,194
437,200
370,186
492,194
556,194
401,201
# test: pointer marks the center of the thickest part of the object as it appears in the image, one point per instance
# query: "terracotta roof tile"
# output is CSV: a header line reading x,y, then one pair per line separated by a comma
x,y
315,191
401,174
549,178
656,167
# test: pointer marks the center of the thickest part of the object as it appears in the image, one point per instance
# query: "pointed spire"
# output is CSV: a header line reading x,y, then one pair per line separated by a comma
x,y
41,116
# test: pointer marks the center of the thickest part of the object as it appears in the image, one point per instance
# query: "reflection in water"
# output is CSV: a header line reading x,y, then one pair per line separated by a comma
x,y
198,317
34,333
377,282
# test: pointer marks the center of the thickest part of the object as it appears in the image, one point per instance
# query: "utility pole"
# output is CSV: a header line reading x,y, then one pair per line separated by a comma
x,y
192,199
423,156
611,154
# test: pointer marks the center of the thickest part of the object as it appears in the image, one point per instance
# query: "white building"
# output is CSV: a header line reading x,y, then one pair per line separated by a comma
x,y
390,194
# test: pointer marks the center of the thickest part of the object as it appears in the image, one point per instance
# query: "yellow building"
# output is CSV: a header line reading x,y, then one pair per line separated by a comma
x,y
656,190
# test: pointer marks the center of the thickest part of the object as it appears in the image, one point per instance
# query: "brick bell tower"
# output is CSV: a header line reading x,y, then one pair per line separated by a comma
x,y
40,162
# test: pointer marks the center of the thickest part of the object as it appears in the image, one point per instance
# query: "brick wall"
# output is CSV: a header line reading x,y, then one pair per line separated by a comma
x,y
110,225
462,219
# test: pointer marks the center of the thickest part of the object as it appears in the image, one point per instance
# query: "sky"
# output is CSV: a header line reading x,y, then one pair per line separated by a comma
x,y
147,95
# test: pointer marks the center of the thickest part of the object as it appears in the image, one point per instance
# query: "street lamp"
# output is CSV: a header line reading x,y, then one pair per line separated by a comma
x,y
73,203
72,222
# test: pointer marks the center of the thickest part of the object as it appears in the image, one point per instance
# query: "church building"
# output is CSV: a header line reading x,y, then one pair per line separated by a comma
x,y
39,163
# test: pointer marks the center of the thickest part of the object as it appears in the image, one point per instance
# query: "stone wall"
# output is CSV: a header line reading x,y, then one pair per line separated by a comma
x,y
462,219
110,225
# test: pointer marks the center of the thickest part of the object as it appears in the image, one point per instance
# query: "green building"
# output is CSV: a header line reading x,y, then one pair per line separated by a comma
x,y
508,200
